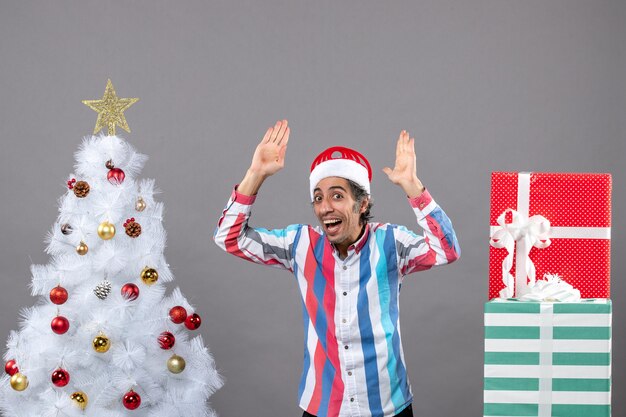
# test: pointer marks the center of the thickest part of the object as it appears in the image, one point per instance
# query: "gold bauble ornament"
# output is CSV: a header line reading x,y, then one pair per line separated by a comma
x,y
176,364
101,343
106,230
149,275
80,399
19,382
140,205
82,248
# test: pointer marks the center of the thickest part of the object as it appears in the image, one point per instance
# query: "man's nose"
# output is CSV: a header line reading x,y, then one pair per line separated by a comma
x,y
326,206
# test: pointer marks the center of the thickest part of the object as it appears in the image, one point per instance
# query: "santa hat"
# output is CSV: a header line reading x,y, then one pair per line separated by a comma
x,y
341,162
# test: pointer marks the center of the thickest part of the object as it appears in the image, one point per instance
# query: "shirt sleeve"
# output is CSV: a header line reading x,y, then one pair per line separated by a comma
x,y
262,246
436,245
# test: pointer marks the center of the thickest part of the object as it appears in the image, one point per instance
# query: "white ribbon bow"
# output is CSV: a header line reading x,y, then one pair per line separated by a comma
x,y
551,288
527,233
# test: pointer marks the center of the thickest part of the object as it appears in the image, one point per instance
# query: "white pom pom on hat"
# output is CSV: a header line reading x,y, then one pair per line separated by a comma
x,y
339,161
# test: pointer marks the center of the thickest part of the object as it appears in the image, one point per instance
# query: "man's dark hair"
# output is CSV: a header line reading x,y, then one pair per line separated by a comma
x,y
359,194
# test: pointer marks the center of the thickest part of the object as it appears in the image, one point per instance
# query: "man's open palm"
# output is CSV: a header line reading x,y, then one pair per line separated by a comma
x,y
269,156
405,169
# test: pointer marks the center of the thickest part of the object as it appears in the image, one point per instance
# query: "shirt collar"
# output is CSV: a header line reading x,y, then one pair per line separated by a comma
x,y
360,242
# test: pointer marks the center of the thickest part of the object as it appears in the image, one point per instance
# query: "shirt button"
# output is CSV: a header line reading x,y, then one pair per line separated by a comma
x,y
351,400
421,205
344,321
349,373
345,293
345,347
345,267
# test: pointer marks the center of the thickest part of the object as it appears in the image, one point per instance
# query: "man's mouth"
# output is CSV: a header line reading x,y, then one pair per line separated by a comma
x,y
332,225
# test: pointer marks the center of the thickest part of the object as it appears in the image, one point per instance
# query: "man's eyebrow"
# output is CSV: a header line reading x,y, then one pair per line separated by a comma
x,y
330,188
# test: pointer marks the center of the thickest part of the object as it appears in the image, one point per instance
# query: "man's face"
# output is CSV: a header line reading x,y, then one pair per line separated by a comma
x,y
336,209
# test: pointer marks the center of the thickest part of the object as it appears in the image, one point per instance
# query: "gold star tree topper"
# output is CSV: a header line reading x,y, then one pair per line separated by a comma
x,y
110,110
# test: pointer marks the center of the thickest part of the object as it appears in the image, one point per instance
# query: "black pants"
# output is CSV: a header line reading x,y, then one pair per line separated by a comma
x,y
407,412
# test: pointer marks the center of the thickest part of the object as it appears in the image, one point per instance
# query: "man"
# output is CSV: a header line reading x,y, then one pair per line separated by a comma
x,y
349,272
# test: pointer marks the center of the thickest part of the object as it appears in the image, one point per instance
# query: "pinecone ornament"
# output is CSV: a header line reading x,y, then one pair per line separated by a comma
x,y
133,229
81,189
103,289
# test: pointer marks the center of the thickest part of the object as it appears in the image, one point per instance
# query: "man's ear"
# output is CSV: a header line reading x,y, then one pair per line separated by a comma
x,y
364,204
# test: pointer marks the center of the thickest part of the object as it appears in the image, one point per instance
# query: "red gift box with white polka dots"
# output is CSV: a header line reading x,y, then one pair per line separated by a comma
x,y
566,200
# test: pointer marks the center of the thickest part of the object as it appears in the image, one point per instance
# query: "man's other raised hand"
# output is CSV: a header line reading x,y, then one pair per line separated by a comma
x,y
268,159
404,172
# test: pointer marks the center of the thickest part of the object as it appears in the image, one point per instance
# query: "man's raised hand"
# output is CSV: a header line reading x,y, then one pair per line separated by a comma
x,y
268,159
269,156
404,172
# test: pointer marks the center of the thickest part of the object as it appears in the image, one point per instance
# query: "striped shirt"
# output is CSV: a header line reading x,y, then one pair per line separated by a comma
x,y
353,359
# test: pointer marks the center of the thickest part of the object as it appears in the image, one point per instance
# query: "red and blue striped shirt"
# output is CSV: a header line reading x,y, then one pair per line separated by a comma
x,y
353,359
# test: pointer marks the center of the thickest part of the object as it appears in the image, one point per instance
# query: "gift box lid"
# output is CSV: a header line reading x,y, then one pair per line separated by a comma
x,y
566,199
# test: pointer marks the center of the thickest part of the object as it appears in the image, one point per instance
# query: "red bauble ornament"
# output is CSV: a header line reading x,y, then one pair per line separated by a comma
x,y
116,176
60,377
166,340
193,321
11,367
58,295
178,314
60,325
130,291
131,400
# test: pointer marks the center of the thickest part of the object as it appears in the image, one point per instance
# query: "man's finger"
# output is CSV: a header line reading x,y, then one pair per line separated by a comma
x,y
387,171
281,131
281,153
275,131
399,145
266,138
285,137
407,137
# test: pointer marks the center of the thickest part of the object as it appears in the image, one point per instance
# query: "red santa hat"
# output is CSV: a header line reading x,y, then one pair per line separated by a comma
x,y
339,161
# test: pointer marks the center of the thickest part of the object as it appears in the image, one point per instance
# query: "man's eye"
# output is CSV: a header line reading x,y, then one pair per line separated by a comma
x,y
317,198
337,196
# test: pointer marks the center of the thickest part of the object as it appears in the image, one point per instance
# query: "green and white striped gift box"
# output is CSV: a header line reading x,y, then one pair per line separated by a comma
x,y
547,359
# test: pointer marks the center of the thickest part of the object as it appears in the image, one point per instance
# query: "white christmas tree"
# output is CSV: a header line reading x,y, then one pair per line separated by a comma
x,y
103,339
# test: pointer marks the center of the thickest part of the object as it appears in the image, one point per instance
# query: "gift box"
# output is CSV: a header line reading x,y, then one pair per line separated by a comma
x,y
546,359
550,223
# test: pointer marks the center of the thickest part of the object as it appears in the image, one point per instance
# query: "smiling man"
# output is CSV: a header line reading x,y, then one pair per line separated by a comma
x,y
349,271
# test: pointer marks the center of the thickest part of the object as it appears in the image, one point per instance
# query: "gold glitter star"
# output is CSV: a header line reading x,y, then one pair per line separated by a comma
x,y
110,110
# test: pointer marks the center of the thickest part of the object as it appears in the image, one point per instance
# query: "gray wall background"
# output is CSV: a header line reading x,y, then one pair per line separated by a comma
x,y
482,85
